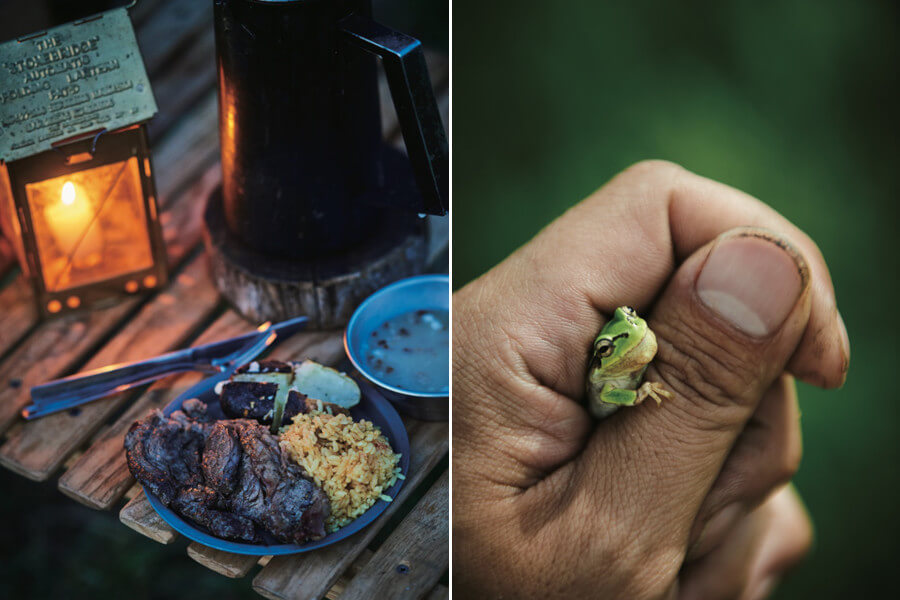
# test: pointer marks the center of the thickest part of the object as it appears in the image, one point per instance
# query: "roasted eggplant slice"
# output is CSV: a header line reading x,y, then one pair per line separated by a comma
x,y
269,372
273,392
253,400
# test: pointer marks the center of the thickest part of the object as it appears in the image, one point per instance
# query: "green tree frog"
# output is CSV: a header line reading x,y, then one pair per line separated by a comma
x,y
621,353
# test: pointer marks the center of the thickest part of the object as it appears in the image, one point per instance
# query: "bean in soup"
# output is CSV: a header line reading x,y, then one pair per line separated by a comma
x,y
412,351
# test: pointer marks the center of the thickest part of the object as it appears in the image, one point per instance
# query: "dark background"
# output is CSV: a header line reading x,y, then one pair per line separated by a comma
x,y
795,102
53,547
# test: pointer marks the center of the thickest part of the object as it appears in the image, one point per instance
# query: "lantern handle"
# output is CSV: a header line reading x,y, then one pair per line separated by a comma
x,y
97,137
58,146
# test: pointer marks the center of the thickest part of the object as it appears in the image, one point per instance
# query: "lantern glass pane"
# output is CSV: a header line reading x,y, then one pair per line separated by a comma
x,y
90,226
9,221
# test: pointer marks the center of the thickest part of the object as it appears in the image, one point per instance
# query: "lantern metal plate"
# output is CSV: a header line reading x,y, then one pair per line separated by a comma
x,y
73,79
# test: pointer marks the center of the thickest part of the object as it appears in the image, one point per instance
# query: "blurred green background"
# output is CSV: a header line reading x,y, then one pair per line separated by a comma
x,y
794,102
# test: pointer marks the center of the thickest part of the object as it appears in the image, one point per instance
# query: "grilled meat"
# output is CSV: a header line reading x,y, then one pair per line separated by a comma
x,y
267,486
230,476
199,503
164,454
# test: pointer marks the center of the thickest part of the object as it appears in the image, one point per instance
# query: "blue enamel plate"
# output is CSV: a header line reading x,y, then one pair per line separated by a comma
x,y
372,407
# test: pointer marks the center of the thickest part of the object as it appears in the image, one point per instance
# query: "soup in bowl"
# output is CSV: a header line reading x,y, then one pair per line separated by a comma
x,y
399,339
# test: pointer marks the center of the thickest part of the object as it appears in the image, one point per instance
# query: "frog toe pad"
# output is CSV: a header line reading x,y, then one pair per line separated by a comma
x,y
652,389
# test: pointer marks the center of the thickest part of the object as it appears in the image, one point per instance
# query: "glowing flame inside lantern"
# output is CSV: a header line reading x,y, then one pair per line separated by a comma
x,y
68,193
72,225
90,227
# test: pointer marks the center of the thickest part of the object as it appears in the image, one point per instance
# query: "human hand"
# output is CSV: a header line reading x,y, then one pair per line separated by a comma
x,y
685,500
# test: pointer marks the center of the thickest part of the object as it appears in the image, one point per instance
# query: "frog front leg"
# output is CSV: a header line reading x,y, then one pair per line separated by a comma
x,y
610,399
651,389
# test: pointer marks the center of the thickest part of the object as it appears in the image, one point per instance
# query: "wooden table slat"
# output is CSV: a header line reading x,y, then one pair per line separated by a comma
x,y
337,589
192,73
310,576
225,563
177,42
140,516
187,149
40,446
51,351
169,28
414,557
54,347
439,592
59,344
18,314
100,476
143,10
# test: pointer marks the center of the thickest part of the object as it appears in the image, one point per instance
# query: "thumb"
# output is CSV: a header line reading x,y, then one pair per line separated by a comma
x,y
726,325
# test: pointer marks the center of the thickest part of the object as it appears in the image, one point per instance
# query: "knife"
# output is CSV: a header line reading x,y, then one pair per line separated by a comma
x,y
217,357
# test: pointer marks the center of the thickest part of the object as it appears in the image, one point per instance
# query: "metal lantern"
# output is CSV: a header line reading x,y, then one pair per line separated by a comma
x,y
77,198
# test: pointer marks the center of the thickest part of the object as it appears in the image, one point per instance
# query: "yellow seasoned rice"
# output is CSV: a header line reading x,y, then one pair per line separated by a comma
x,y
351,461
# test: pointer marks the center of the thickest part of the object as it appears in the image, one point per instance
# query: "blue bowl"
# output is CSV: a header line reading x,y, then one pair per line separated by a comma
x,y
372,407
425,292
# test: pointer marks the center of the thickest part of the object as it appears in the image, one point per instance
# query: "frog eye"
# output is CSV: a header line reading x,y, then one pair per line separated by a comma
x,y
604,348
628,310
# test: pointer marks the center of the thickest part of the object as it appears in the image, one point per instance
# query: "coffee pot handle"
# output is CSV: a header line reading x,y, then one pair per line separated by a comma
x,y
417,109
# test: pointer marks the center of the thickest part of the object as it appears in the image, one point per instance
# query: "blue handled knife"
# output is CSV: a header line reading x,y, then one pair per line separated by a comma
x,y
217,357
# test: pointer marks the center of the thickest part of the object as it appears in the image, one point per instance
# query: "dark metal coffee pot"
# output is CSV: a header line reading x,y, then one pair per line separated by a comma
x,y
305,169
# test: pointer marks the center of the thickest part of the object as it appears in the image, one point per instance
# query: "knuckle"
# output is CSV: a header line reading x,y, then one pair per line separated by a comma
x,y
652,167
791,517
660,176
789,462
754,483
805,539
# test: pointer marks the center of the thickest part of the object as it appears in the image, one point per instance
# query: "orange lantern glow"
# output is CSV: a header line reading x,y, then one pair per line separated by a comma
x,y
77,198
84,223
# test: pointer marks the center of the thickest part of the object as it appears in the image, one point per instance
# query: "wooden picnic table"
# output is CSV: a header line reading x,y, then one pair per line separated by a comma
x,y
83,447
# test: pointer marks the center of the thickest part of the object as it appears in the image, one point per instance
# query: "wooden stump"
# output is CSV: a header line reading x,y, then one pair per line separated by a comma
x,y
325,289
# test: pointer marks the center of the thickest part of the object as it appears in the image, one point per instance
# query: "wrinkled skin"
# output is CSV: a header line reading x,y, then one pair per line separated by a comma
x,y
683,500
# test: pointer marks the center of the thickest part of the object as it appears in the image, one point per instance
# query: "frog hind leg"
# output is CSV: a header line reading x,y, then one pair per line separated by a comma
x,y
620,397
601,410
608,401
